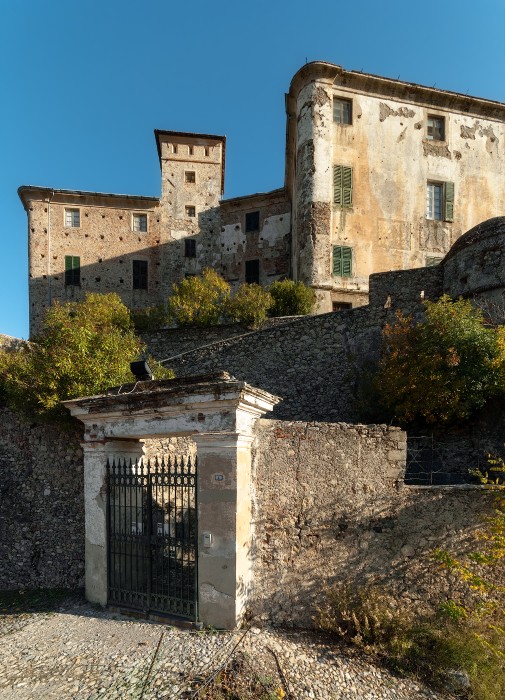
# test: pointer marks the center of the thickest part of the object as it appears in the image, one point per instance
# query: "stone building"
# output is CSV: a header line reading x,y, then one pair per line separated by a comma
x,y
380,175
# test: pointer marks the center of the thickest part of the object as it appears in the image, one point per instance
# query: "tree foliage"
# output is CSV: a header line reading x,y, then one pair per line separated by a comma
x,y
291,298
249,305
199,300
83,349
442,369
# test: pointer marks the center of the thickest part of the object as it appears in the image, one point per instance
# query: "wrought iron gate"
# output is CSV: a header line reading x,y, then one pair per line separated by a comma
x,y
152,535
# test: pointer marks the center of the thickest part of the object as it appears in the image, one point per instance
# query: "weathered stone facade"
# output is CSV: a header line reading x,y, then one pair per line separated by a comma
x,y
421,167
330,507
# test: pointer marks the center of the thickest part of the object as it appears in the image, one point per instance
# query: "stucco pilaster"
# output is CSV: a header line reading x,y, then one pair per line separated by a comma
x,y
96,453
224,513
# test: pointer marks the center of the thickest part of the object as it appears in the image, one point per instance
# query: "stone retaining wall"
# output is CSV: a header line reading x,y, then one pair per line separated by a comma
x,y
330,506
310,362
41,506
168,342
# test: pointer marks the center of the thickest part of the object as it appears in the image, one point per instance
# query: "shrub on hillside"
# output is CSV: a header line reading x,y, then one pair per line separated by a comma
x,y
291,298
249,305
200,300
83,349
442,369
150,319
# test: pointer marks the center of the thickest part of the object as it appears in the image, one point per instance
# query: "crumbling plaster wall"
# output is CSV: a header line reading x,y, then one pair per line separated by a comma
x,y
270,244
392,160
330,507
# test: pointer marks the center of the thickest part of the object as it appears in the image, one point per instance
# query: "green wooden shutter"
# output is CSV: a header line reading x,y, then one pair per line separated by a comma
x,y
449,201
342,186
342,261
347,187
346,262
337,185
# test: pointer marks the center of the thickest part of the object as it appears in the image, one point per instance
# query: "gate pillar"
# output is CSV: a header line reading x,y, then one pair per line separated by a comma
x,y
224,527
96,452
218,412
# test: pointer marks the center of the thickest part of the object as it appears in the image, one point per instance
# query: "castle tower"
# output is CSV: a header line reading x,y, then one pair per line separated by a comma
x,y
192,183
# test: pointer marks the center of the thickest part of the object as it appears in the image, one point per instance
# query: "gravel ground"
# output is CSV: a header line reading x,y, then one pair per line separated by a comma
x,y
85,653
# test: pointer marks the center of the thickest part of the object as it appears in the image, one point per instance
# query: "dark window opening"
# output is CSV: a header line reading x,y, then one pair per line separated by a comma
x,y
252,221
189,248
139,270
341,305
72,271
252,271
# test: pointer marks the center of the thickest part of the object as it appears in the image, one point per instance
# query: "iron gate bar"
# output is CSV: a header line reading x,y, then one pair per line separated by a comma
x,y
152,535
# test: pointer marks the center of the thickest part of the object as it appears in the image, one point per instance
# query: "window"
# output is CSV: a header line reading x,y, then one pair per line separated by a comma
x,y
432,261
139,270
341,305
440,201
342,261
72,218
140,222
436,128
72,271
342,111
342,186
252,221
252,271
190,150
190,176
189,248
190,212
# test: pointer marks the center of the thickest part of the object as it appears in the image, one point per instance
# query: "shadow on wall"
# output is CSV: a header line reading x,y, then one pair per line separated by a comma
x,y
330,506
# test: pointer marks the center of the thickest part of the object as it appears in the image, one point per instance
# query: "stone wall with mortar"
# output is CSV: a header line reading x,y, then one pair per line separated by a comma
x,y
310,362
41,506
330,506
169,342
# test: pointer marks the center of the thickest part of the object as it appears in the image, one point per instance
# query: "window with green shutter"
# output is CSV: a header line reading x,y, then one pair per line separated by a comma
x,y
449,201
440,201
342,261
342,186
72,271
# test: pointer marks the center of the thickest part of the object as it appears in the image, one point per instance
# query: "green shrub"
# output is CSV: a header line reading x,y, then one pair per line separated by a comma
x,y
150,319
199,300
249,305
83,349
442,369
437,649
291,298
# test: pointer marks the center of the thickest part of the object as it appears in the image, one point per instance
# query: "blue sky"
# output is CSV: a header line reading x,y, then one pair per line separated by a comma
x,y
84,83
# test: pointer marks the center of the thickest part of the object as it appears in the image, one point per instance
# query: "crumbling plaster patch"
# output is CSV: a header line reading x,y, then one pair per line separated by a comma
x,y
386,111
